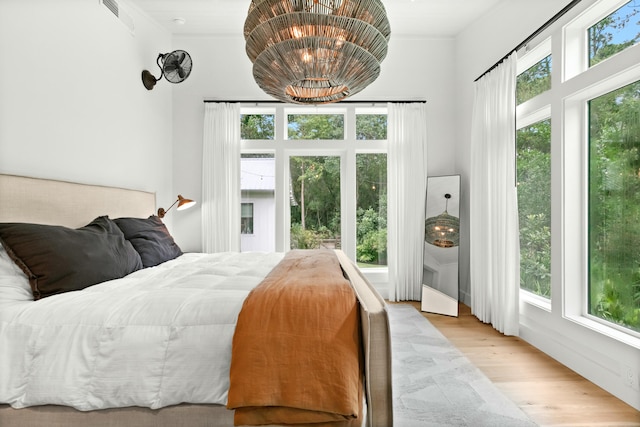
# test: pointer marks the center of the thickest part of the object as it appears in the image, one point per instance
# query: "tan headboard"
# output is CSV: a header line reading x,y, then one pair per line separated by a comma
x,y
45,201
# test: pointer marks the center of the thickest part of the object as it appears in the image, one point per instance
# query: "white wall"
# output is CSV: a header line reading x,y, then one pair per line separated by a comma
x,y
72,105
222,71
595,355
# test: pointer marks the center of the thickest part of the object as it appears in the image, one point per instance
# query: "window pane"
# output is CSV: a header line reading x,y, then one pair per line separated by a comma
x,y
258,216
614,206
315,126
614,33
315,210
371,126
534,206
371,214
256,126
534,81
246,220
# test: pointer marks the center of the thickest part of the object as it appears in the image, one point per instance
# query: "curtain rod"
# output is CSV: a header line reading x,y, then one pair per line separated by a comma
x,y
537,32
275,101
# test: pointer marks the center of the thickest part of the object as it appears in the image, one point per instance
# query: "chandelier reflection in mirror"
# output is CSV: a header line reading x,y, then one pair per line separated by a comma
x,y
316,51
443,230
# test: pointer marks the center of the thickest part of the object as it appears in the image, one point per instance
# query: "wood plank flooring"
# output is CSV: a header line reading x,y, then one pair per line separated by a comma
x,y
550,393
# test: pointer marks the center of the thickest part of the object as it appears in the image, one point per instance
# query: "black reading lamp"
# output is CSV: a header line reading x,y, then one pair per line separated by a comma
x,y
182,205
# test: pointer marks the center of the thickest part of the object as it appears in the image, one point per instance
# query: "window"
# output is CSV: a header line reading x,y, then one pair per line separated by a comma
x,y
614,206
330,172
315,211
371,126
256,126
616,32
246,221
533,156
316,126
534,81
533,170
371,214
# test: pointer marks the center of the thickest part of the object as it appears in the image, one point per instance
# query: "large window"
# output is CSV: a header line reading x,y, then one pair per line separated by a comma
x,y
371,214
614,206
578,169
315,215
533,156
533,169
330,176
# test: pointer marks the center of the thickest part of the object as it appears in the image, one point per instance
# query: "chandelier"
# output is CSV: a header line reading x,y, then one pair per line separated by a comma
x,y
443,230
316,51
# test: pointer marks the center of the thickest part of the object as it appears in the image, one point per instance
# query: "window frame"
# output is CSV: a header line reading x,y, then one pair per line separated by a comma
x,y
574,83
346,149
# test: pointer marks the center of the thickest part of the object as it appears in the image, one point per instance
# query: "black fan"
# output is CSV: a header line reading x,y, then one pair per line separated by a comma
x,y
174,66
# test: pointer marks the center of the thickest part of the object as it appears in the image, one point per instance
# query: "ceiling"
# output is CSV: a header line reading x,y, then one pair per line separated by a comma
x,y
430,18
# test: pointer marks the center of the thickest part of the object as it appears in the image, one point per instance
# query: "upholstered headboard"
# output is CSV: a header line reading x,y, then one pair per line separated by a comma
x,y
45,201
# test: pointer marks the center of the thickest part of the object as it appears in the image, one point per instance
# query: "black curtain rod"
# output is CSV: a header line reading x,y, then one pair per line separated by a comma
x,y
543,27
275,101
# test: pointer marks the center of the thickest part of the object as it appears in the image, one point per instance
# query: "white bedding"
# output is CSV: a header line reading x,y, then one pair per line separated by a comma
x,y
158,337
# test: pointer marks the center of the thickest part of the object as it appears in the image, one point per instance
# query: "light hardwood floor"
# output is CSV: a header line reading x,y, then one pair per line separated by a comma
x,y
550,393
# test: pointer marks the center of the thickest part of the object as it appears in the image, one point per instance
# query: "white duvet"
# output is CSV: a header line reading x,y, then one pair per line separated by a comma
x,y
158,337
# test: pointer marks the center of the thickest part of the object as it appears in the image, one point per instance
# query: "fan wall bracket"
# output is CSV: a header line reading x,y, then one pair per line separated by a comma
x,y
148,79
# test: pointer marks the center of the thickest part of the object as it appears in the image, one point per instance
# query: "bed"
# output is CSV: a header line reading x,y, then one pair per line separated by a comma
x,y
172,302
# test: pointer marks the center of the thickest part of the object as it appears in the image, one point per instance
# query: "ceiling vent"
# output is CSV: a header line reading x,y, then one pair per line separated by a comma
x,y
122,15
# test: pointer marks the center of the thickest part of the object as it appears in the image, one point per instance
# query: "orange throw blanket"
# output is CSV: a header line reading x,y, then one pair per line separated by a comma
x,y
296,355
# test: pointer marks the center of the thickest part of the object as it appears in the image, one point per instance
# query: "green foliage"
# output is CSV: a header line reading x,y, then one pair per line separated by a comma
x,y
534,206
614,206
316,126
534,81
371,126
602,34
371,236
303,239
256,126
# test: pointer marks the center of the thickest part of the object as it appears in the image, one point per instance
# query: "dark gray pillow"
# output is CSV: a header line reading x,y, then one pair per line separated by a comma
x,y
151,239
58,259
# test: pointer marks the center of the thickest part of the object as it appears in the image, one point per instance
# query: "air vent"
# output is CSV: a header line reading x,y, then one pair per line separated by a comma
x,y
112,6
121,14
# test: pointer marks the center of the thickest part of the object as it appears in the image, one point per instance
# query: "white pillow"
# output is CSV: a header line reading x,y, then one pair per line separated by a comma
x,y
14,284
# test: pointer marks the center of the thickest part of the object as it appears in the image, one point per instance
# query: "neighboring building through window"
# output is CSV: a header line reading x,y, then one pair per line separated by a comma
x,y
257,184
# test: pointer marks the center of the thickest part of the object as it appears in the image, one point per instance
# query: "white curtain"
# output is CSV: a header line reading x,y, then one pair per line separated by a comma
x,y
221,178
407,180
494,235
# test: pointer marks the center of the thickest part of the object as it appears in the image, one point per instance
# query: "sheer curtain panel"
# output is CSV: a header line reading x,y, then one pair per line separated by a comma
x,y
407,180
494,235
221,178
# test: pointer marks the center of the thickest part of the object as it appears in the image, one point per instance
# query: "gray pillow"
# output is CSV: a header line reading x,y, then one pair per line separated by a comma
x,y
58,259
150,237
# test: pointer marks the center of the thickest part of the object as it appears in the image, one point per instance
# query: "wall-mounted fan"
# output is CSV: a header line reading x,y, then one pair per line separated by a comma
x,y
174,66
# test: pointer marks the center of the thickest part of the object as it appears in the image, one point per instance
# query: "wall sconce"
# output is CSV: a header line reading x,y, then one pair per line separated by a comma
x,y
182,205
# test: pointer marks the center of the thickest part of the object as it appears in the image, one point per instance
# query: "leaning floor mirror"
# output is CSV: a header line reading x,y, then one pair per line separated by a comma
x,y
442,238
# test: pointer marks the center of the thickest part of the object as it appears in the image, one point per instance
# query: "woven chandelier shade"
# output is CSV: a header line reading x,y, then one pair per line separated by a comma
x,y
442,230
316,51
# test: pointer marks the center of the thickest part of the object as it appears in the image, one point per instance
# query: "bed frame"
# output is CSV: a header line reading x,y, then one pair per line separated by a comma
x,y
44,201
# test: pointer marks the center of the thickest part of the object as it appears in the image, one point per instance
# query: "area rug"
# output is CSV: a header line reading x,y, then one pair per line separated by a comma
x,y
434,384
